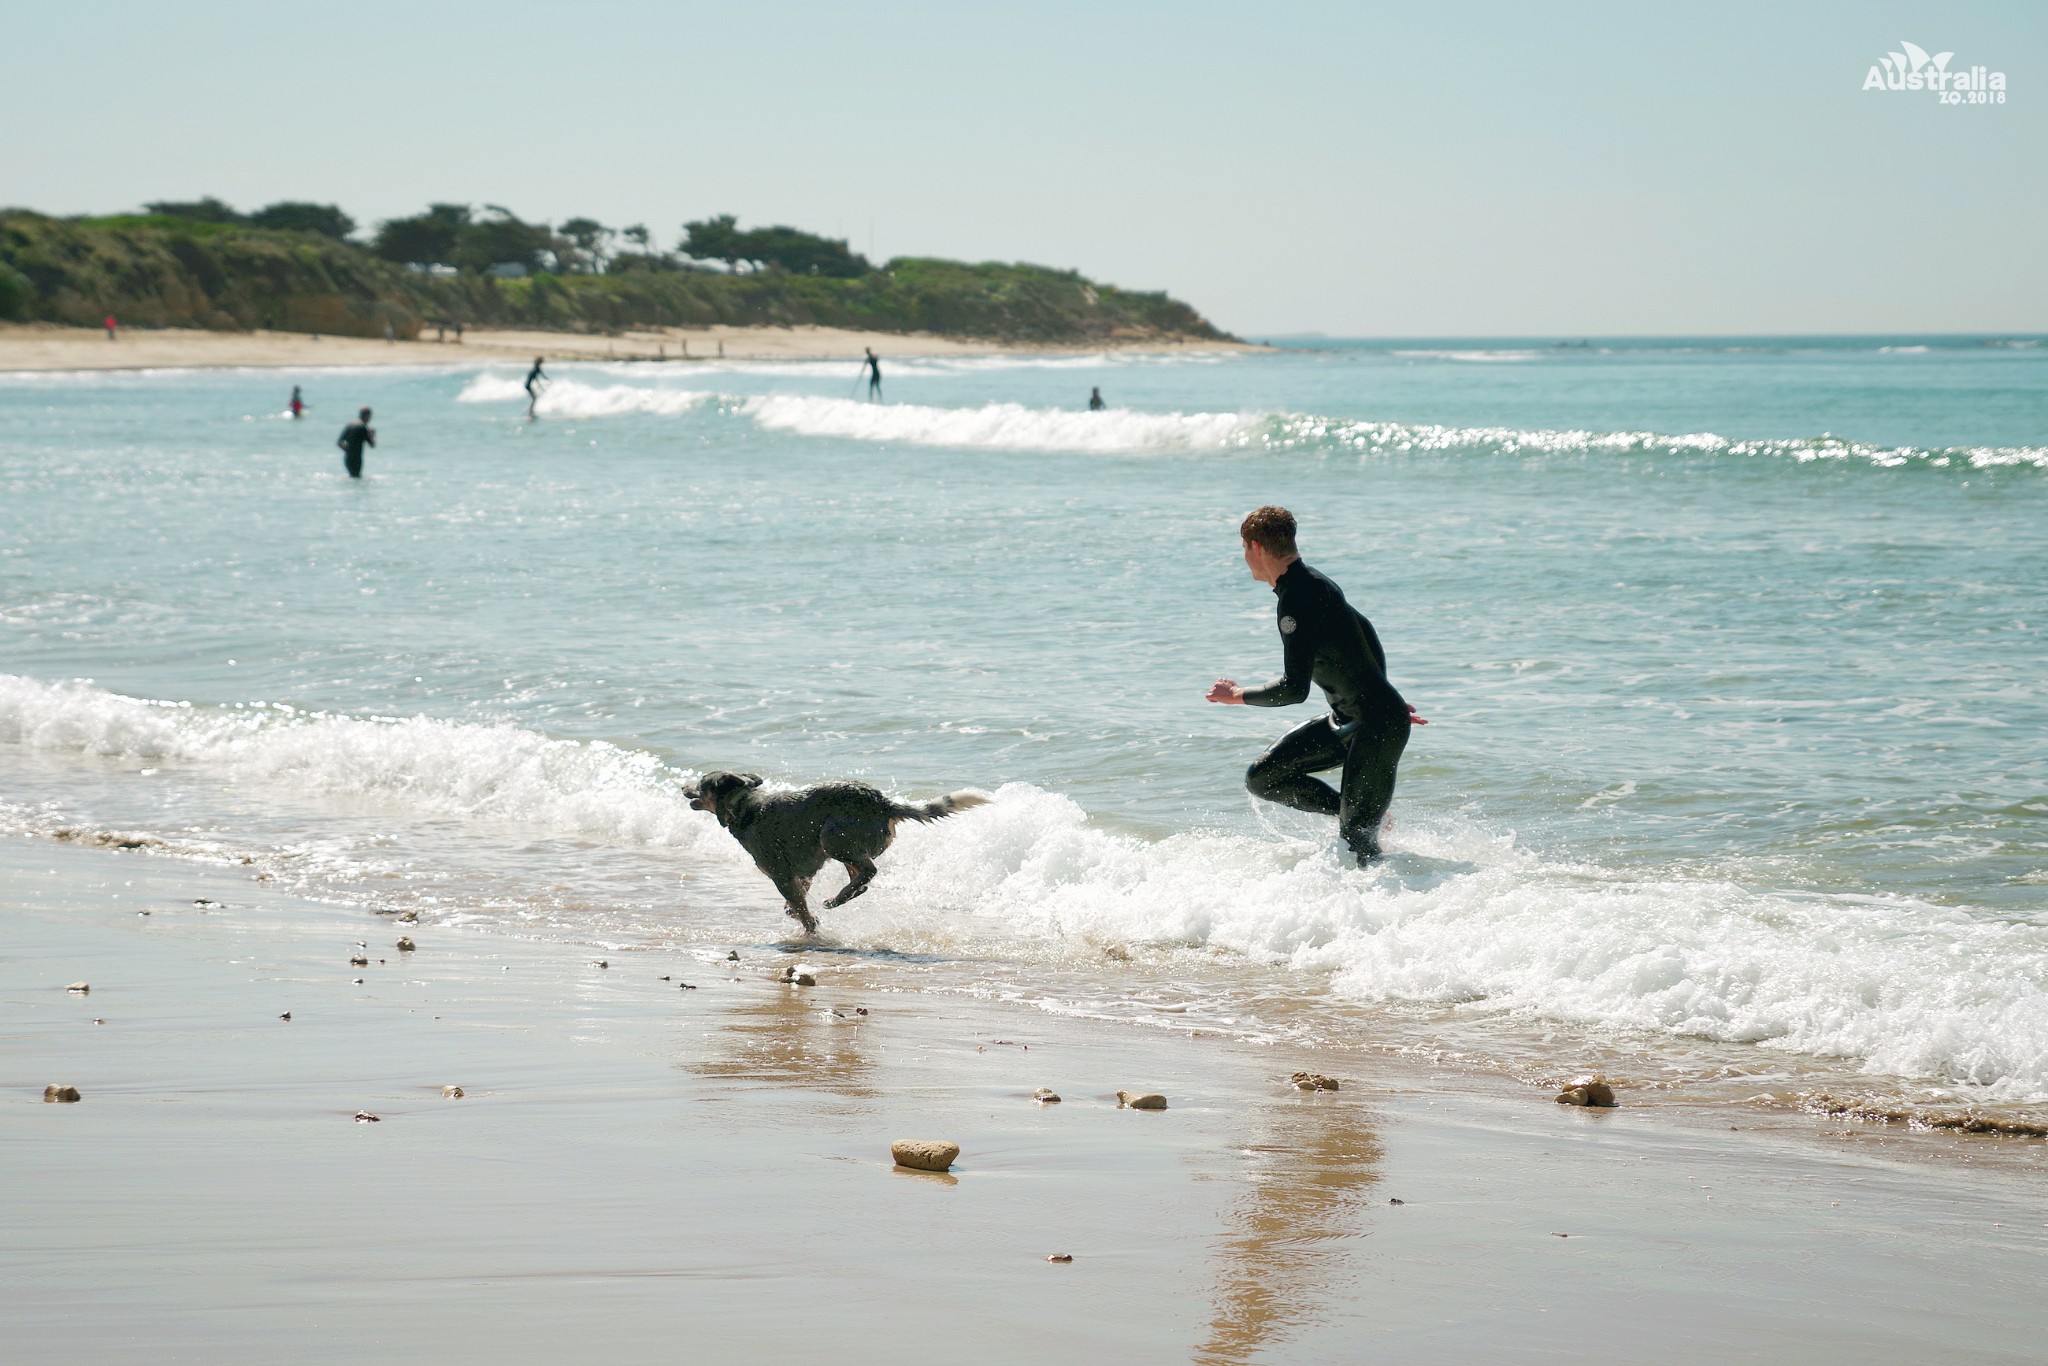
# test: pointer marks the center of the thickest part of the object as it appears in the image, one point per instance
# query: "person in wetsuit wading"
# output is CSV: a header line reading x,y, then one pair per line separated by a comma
x,y
1327,642
353,438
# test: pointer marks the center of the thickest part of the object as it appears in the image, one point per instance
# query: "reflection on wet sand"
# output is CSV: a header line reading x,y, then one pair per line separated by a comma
x,y
791,1037
1286,1240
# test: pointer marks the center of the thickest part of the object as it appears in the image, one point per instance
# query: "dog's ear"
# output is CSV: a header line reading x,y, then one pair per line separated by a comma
x,y
749,779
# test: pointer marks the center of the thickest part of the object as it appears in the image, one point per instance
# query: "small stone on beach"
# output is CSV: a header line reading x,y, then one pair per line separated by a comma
x,y
1588,1091
798,979
1314,1081
1135,1100
1045,1095
405,944
452,1092
286,1016
60,1095
365,1117
409,918
1059,1256
604,963
1396,1200
733,957
358,961
925,1155
82,988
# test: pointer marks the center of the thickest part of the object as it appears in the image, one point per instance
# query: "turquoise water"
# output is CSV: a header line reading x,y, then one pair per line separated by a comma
x,y
1732,650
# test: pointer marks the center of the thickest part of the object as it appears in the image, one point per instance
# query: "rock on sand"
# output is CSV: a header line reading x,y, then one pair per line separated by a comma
x,y
923,1154
1140,1100
82,988
60,1095
1588,1091
1314,1081
452,1092
1045,1095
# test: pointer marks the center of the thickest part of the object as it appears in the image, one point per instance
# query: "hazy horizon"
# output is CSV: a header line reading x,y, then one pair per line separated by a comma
x,y
1356,171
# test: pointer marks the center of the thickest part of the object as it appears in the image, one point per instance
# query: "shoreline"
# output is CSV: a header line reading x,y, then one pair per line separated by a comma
x,y
48,347
710,1166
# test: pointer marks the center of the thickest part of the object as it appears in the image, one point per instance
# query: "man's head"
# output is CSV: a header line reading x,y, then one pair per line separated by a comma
x,y
366,414
1268,535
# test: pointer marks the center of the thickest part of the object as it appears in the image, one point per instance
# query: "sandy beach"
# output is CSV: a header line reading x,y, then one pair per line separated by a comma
x,y
42,346
639,1168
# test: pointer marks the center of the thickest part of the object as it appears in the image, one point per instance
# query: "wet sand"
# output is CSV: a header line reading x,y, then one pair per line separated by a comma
x,y
639,1169
43,346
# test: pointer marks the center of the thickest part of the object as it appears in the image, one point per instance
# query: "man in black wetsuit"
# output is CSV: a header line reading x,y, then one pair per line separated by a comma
x,y
534,379
1325,641
353,438
873,365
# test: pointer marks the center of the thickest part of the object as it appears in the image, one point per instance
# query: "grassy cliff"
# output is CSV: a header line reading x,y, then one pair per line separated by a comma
x,y
163,271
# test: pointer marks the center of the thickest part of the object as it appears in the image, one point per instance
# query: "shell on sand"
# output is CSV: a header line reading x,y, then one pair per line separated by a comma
x,y
60,1095
1141,1100
923,1154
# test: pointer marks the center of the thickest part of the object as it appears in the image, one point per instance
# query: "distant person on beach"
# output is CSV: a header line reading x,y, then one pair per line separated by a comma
x,y
873,365
297,406
353,438
1325,641
1095,403
110,325
534,379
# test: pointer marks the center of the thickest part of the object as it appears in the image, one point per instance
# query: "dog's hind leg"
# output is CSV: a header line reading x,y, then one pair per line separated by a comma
x,y
860,871
796,893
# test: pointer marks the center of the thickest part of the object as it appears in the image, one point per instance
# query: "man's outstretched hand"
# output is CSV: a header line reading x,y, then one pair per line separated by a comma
x,y
1225,691
1414,717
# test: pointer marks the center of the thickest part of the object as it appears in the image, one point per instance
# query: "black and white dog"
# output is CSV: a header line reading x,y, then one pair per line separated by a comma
x,y
791,835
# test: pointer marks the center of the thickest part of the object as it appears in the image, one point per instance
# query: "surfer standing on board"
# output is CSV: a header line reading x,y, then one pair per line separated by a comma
x,y
873,365
534,379
1325,641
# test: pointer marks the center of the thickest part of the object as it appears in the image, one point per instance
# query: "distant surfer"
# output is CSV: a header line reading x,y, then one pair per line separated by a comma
x,y
297,407
873,365
1325,641
353,438
534,379
1095,403
112,327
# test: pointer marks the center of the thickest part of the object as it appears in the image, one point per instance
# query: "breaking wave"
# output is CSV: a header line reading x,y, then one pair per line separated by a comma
x,y
573,398
1889,986
997,426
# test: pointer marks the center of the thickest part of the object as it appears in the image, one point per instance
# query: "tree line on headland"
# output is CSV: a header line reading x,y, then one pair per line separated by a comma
x,y
297,266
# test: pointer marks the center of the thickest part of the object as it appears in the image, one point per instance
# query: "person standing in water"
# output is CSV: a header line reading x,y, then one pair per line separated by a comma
x,y
353,438
873,365
1095,403
297,407
534,379
1325,641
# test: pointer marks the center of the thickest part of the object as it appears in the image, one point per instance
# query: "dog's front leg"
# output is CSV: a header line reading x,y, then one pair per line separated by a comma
x,y
796,893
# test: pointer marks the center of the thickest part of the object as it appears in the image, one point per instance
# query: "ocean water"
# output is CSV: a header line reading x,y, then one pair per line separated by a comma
x,y
1736,783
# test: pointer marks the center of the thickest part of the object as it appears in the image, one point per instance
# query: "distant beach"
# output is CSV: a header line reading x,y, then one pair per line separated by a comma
x,y
46,346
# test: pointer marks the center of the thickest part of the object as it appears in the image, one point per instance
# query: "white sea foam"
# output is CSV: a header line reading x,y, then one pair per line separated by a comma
x,y
1890,986
573,398
999,426
1509,356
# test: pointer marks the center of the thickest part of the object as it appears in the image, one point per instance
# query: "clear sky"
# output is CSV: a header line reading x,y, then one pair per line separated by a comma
x,y
1398,169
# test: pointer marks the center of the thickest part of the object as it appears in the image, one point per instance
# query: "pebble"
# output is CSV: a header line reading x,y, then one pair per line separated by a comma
x,y
409,918
733,957
604,962
82,988
405,944
925,1155
286,1016
1045,1095
1059,1256
56,1095
1588,1091
1314,1081
798,979
365,1117
452,1092
1396,1200
358,961
1135,1100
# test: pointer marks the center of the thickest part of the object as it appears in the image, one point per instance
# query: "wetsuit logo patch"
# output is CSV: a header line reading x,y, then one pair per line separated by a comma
x,y
1287,626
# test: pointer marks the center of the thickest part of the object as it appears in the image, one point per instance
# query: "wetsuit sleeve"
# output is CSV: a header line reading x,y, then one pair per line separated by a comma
x,y
1299,655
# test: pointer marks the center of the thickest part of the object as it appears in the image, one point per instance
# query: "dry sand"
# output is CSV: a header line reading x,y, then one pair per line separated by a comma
x,y
640,1172
42,346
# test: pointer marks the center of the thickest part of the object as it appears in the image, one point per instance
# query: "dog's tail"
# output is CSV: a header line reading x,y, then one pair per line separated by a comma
x,y
938,808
